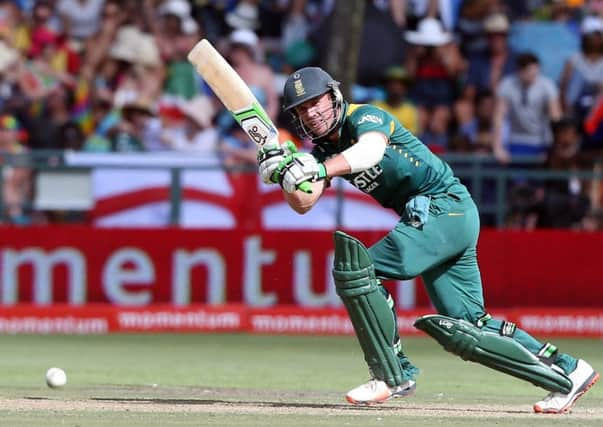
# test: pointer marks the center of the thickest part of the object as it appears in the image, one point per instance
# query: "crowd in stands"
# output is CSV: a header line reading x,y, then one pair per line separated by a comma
x,y
506,79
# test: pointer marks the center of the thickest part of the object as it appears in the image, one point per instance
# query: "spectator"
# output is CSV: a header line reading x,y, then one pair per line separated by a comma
x,y
176,32
582,75
14,29
10,64
396,82
410,13
80,18
236,149
104,119
47,125
245,16
530,102
488,67
16,185
247,59
477,134
130,134
196,132
435,64
132,68
565,202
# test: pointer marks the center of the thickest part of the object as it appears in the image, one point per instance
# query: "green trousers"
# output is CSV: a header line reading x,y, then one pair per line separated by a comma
x,y
443,253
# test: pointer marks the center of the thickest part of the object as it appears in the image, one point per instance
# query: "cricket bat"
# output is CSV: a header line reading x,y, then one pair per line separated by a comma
x,y
236,96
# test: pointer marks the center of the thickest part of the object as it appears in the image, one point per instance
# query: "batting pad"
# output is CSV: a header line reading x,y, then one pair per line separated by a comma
x,y
367,307
493,350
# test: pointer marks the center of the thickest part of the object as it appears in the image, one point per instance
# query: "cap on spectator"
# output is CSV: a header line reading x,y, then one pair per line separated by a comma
x,y
591,24
148,52
200,110
179,8
244,16
8,56
496,23
126,43
244,37
429,33
139,104
396,72
182,10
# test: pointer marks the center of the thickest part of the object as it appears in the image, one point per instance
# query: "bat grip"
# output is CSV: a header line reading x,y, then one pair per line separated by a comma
x,y
306,187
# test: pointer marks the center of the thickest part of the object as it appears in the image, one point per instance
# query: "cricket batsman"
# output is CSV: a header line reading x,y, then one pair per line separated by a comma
x,y
435,238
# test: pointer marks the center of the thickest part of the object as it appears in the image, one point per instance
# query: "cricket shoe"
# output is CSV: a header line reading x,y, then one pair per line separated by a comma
x,y
583,378
377,391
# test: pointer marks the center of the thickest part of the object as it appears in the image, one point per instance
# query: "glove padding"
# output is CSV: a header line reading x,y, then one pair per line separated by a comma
x,y
298,168
270,156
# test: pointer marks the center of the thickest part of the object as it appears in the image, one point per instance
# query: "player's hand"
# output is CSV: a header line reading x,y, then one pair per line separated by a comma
x,y
298,168
269,158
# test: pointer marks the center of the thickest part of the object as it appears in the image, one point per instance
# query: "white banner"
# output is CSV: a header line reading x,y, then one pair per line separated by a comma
x,y
133,190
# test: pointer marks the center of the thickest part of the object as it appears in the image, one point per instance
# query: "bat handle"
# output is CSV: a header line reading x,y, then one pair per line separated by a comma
x,y
306,187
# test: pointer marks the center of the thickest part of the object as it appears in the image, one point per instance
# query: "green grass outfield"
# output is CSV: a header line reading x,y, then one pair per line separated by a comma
x,y
246,380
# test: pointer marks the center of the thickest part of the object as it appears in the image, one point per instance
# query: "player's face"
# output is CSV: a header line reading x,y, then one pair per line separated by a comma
x,y
317,114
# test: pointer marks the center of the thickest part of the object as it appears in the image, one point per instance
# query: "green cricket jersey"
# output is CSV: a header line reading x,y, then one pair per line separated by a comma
x,y
408,167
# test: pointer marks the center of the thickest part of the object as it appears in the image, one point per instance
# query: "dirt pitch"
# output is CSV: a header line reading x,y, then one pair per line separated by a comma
x,y
235,401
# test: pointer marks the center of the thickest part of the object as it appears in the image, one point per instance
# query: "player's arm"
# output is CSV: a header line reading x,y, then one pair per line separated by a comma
x,y
302,202
366,153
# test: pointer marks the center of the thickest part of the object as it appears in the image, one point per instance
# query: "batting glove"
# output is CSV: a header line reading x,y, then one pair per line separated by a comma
x,y
298,168
270,156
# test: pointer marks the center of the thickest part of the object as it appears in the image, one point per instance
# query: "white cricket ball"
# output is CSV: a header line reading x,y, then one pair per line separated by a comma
x,y
56,377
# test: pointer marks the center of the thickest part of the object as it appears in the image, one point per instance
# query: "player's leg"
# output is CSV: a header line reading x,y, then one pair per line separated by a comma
x,y
370,308
456,291
404,253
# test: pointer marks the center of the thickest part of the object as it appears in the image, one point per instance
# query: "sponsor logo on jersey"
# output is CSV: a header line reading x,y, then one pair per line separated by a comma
x,y
366,181
371,119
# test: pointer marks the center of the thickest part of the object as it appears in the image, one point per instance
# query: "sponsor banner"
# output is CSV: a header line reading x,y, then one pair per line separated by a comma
x,y
133,190
80,265
286,320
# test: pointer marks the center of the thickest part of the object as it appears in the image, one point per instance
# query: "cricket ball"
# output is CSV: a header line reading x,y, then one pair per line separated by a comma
x,y
56,377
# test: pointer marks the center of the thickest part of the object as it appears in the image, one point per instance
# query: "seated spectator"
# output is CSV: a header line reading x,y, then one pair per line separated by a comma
x,y
16,180
129,134
246,57
175,32
530,102
104,119
488,67
195,133
10,75
435,64
477,134
565,202
582,75
54,114
132,69
237,151
80,18
14,28
396,82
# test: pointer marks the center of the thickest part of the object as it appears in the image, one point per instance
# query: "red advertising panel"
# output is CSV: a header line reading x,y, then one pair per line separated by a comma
x,y
81,265
290,320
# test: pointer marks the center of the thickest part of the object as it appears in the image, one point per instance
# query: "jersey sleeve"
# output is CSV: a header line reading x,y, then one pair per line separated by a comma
x,y
369,118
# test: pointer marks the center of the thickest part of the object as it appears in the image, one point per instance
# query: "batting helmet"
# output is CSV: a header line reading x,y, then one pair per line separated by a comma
x,y
305,84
